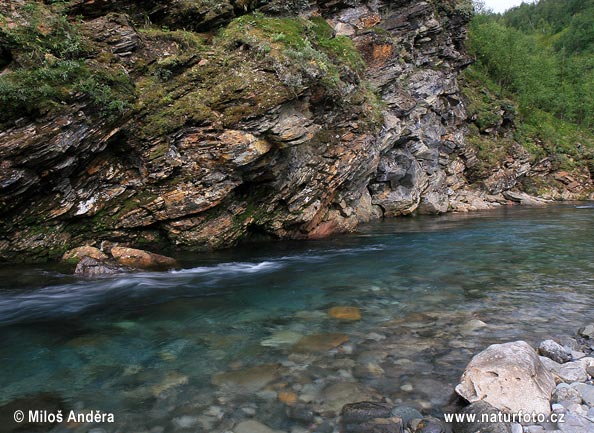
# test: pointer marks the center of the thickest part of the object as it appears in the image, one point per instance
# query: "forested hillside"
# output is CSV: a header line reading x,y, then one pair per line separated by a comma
x,y
533,81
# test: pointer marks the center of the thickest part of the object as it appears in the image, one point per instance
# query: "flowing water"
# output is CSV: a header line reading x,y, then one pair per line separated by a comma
x,y
246,333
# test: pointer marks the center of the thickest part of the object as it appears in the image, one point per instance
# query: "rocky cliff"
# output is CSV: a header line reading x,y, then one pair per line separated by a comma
x,y
201,123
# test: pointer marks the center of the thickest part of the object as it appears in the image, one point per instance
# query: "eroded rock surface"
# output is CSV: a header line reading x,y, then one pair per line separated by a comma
x,y
510,377
280,127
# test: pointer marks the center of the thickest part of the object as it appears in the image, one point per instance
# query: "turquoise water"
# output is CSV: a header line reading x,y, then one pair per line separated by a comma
x,y
432,291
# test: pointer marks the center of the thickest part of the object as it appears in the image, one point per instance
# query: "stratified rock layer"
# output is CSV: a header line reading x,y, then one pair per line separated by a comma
x,y
296,121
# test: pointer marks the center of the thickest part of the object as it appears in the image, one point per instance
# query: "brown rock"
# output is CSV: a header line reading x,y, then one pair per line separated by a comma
x,y
345,313
287,397
75,255
142,259
320,342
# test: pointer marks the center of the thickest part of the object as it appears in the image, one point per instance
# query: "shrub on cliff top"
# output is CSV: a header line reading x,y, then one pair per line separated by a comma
x,y
301,49
50,66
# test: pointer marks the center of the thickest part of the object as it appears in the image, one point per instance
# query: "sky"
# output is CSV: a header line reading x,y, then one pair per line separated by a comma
x,y
503,5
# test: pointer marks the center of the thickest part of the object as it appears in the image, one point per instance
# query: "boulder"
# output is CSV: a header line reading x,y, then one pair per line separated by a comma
x,y
554,351
89,267
142,259
75,255
509,377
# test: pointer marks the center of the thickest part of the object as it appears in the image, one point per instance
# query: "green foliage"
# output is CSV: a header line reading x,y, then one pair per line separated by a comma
x,y
51,68
540,133
542,54
186,40
301,49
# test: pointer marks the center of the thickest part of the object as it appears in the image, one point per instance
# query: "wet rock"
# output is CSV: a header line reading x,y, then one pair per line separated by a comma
x,y
142,259
89,267
287,397
172,380
325,427
75,255
554,351
363,417
282,338
345,313
337,395
587,331
509,377
252,426
406,413
363,411
50,403
320,342
472,325
185,421
301,413
248,380
477,409
376,425
430,425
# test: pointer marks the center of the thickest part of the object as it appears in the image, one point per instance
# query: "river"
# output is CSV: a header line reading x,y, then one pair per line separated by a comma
x,y
246,334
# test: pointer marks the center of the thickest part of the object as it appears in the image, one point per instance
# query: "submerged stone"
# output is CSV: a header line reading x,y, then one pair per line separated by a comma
x,y
250,379
345,313
336,395
287,397
282,338
172,380
320,342
252,426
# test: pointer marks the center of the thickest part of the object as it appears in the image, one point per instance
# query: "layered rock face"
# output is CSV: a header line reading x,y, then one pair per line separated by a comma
x,y
282,126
